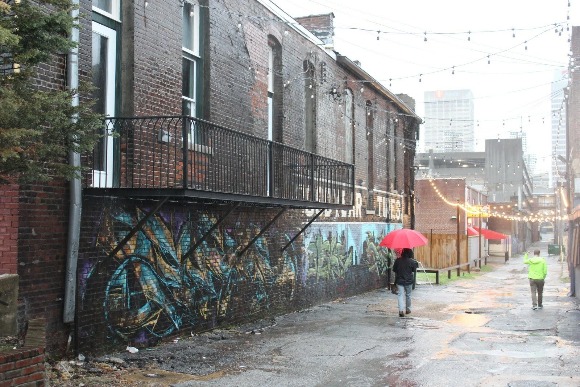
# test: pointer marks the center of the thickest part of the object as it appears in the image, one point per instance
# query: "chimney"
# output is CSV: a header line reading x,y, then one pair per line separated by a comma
x,y
321,26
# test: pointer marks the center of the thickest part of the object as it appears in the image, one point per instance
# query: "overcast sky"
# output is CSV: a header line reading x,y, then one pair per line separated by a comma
x,y
511,92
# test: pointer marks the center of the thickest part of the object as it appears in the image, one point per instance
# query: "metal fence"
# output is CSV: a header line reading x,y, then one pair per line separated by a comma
x,y
182,152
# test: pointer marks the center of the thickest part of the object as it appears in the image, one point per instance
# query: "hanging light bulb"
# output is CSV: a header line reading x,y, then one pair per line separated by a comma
x,y
425,39
488,60
420,75
468,36
526,45
453,70
513,33
378,34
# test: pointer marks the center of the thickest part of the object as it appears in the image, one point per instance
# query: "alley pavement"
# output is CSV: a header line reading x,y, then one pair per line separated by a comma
x,y
478,331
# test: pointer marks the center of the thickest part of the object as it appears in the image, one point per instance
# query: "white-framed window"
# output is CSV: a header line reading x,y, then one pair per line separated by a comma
x,y
190,58
103,70
108,8
270,92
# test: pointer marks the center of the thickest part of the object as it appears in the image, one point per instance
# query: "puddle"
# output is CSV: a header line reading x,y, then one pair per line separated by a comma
x,y
469,320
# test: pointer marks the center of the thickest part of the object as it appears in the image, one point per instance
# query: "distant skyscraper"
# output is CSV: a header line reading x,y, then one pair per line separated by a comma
x,y
558,125
449,121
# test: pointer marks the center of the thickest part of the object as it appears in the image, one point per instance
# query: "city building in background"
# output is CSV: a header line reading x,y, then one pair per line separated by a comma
x,y
449,121
558,126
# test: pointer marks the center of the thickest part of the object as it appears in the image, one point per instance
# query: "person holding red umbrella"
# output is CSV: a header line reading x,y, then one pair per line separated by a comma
x,y
404,269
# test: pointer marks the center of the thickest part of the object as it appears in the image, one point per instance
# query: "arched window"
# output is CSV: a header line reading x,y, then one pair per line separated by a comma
x,y
370,121
348,127
275,95
309,107
391,156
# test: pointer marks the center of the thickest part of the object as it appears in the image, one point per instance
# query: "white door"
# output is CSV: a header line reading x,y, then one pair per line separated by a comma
x,y
104,58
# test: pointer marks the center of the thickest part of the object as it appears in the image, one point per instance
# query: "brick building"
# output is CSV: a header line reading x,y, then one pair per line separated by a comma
x,y
247,170
571,204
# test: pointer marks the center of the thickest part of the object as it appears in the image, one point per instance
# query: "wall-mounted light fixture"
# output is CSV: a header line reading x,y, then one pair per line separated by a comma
x,y
335,94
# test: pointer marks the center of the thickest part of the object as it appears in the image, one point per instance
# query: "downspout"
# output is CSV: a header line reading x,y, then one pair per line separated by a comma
x,y
72,74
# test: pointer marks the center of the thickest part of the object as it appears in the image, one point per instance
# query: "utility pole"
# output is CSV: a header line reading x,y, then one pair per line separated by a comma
x,y
458,245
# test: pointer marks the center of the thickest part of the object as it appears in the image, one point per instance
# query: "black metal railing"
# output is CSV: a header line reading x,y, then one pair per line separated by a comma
x,y
187,153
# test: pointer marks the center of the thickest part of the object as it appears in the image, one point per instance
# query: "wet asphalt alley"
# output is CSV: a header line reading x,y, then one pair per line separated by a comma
x,y
471,332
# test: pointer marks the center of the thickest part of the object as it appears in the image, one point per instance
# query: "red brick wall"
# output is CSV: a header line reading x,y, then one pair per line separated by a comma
x,y
42,241
150,290
22,367
432,213
9,205
235,97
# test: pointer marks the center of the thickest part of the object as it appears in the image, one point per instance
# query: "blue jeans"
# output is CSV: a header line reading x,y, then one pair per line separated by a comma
x,y
404,297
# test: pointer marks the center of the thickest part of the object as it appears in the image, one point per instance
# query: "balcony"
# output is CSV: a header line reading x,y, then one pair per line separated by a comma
x,y
181,156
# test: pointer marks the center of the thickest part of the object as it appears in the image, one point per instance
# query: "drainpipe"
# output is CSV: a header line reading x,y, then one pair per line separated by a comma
x,y
74,223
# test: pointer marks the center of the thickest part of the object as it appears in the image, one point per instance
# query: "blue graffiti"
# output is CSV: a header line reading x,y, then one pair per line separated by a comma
x,y
158,286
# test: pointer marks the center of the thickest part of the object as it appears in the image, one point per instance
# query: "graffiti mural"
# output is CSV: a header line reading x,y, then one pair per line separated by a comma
x,y
331,248
182,270
157,284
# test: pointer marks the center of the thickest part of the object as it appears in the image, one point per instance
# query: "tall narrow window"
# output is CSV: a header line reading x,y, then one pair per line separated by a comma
x,y
370,121
391,154
275,95
105,27
309,107
190,58
103,78
348,127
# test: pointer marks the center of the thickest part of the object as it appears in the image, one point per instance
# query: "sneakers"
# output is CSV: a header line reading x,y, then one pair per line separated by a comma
x,y
534,307
408,311
540,306
401,314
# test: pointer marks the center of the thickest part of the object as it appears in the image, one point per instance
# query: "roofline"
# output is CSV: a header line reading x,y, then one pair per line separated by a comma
x,y
351,66
292,23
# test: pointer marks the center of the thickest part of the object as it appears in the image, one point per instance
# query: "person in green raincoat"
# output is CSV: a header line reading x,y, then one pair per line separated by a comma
x,y
537,271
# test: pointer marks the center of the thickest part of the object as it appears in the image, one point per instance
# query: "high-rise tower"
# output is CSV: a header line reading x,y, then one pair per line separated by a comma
x,y
449,121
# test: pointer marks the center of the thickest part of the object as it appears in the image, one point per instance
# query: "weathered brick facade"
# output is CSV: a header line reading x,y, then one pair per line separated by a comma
x,y
180,270
433,214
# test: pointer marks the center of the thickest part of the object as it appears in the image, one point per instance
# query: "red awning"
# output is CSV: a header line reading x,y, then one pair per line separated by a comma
x,y
490,234
472,231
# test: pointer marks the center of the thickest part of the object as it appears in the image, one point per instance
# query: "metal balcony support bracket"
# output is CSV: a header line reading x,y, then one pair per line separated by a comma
x,y
302,230
138,226
266,227
216,225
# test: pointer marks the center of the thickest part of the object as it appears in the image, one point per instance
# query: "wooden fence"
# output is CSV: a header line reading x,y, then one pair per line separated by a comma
x,y
440,254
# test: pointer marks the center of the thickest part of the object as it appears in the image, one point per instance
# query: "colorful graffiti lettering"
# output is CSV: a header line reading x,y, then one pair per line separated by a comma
x,y
157,284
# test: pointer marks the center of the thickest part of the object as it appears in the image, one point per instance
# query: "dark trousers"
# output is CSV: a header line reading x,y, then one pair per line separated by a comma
x,y
537,287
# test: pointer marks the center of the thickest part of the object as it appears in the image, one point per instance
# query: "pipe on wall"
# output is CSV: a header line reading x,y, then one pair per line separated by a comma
x,y
75,204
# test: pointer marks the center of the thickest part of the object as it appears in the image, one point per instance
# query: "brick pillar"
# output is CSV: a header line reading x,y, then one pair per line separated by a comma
x,y
9,208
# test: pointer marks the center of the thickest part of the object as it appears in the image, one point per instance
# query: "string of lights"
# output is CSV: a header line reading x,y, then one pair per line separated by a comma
x,y
299,76
500,211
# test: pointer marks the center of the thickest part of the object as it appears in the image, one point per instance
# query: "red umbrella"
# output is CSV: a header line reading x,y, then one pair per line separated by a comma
x,y
403,238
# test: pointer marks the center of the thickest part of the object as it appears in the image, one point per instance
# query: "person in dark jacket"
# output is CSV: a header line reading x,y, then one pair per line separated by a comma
x,y
404,268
